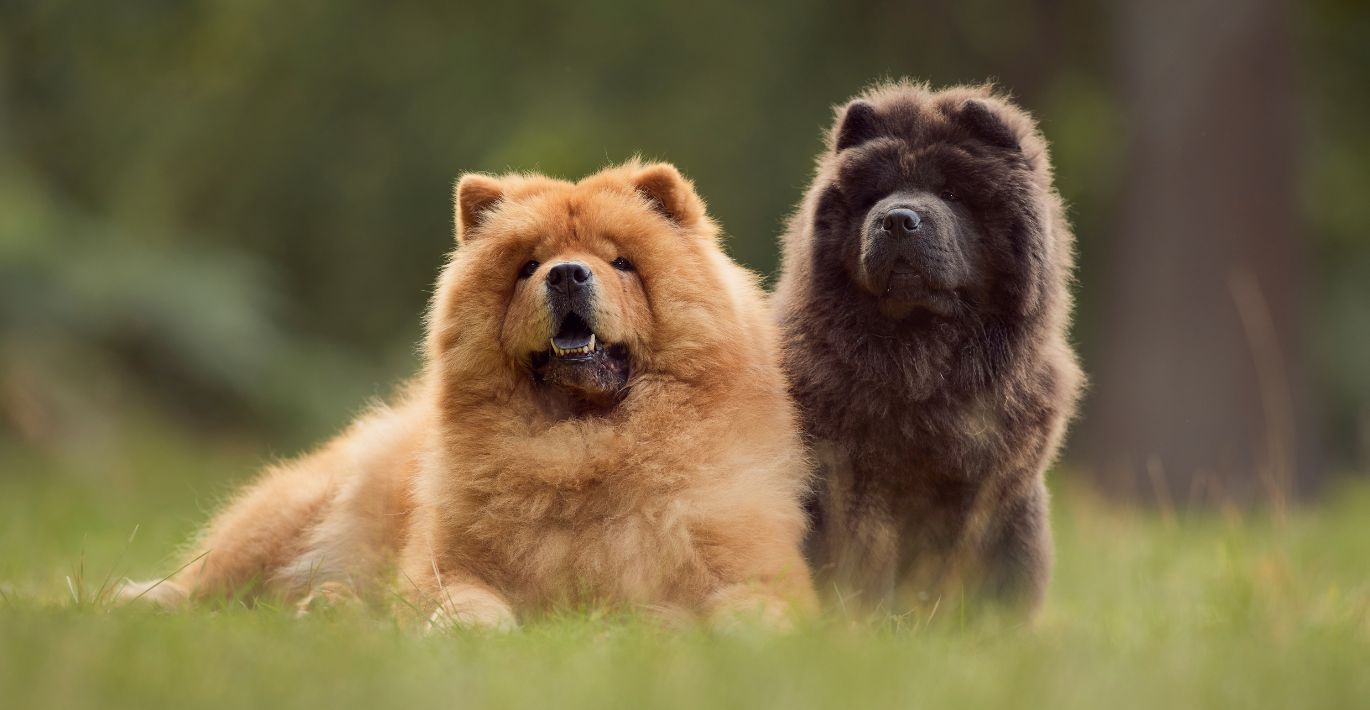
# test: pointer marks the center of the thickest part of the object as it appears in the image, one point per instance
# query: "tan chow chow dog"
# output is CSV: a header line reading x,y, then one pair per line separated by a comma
x,y
601,421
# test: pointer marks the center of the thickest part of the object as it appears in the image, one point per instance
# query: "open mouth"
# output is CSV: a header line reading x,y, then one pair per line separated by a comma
x,y
579,363
574,339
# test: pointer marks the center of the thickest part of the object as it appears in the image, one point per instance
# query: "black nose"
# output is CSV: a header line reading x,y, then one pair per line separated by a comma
x,y
569,277
901,222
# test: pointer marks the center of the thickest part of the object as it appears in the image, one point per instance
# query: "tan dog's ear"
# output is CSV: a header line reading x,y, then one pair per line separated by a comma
x,y
476,195
670,193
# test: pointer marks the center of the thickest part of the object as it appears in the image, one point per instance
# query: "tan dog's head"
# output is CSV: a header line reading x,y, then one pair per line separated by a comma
x,y
573,291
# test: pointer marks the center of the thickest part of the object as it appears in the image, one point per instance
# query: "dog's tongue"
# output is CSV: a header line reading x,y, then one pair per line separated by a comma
x,y
564,343
574,333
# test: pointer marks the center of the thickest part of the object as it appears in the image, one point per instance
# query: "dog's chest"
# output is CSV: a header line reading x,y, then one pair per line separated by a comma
x,y
926,443
605,547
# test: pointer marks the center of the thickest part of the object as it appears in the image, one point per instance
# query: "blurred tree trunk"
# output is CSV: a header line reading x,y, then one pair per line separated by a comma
x,y
1198,391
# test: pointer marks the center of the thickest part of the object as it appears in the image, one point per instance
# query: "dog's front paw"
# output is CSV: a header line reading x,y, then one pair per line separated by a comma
x,y
471,608
162,593
743,606
328,597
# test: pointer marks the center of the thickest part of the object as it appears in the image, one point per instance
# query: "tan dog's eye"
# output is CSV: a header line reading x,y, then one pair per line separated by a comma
x,y
528,270
622,264
949,196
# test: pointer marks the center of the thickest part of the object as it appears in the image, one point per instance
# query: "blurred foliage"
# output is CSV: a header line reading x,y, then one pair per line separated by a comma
x,y
235,209
1336,72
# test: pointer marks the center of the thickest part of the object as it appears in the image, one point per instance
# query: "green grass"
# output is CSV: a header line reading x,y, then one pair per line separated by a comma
x,y
1215,610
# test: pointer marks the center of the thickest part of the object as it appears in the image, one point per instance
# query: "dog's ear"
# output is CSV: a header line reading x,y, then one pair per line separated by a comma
x,y
857,124
986,124
669,193
476,195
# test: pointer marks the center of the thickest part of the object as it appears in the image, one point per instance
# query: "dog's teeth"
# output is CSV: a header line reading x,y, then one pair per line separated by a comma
x,y
593,346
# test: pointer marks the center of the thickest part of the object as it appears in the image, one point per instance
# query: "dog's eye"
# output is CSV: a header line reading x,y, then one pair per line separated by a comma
x,y
528,269
950,196
622,264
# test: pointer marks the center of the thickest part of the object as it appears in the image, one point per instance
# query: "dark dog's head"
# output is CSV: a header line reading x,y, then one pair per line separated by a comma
x,y
935,204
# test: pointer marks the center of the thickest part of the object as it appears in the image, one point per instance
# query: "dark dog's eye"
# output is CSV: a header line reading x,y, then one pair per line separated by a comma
x,y
622,264
528,269
950,196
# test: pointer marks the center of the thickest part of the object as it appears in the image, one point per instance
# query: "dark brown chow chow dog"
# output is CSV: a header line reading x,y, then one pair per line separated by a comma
x,y
924,307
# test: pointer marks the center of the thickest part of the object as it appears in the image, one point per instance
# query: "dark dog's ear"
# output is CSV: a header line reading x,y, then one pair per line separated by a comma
x,y
476,195
981,120
858,124
669,193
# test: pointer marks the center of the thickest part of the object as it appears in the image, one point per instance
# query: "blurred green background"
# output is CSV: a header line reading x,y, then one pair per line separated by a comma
x,y
220,221
222,218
